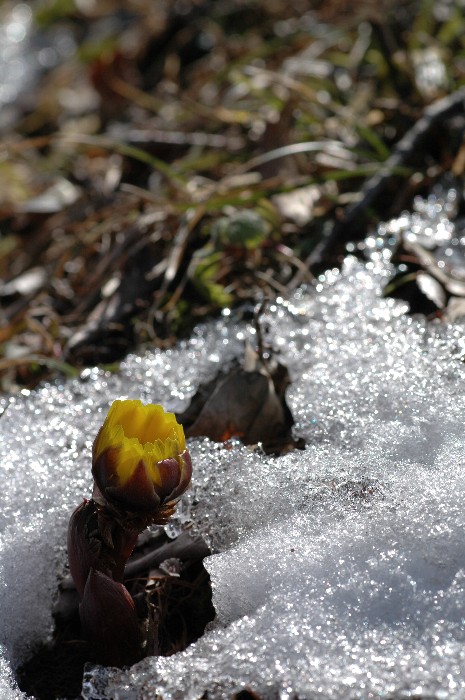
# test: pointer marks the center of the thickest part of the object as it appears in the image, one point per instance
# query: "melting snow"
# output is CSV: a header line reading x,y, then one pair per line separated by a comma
x,y
339,571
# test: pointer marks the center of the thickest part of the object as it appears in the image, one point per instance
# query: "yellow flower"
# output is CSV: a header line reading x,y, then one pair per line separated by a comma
x,y
139,458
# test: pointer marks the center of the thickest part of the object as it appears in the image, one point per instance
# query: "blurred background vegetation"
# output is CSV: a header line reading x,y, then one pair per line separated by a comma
x,y
164,160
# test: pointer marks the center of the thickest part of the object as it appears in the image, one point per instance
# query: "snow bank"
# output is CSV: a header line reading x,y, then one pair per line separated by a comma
x,y
339,570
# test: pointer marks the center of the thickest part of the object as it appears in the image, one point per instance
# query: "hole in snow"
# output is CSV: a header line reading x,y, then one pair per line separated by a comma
x,y
165,574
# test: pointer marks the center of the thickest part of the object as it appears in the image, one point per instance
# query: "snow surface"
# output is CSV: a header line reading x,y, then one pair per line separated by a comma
x,y
340,569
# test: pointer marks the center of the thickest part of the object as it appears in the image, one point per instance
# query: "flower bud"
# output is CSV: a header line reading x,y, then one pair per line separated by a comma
x,y
139,459
109,619
96,542
82,556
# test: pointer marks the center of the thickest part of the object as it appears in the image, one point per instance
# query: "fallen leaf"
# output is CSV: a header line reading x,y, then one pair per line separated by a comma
x,y
432,289
246,402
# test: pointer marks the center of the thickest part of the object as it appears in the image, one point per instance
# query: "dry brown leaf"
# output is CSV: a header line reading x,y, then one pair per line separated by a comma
x,y
245,402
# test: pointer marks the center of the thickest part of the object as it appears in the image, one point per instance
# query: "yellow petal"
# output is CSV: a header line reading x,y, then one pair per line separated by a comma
x,y
129,455
140,432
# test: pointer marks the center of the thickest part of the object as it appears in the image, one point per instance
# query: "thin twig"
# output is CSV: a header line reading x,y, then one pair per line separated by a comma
x,y
440,110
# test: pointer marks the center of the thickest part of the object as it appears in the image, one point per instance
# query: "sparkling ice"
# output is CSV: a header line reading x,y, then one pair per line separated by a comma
x,y
339,570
